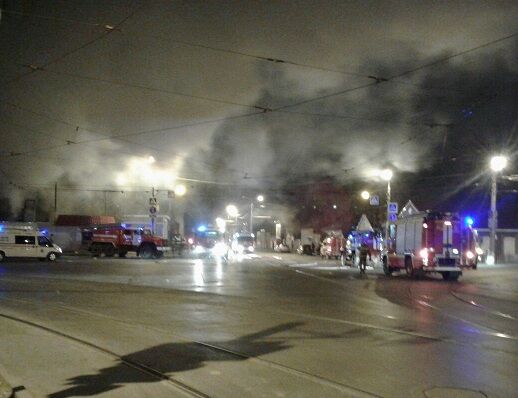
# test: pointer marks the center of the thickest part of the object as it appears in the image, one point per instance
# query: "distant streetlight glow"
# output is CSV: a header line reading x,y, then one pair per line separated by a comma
x,y
180,190
260,198
232,211
151,159
498,163
386,174
365,195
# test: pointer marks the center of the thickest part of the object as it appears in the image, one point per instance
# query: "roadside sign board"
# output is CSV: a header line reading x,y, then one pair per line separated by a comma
x,y
153,210
153,202
393,207
374,200
393,217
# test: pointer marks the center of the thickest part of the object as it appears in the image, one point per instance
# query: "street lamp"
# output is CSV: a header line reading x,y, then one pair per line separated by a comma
x,y
260,199
180,190
365,195
233,212
497,164
386,175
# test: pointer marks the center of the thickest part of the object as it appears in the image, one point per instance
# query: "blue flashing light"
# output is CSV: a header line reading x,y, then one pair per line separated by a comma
x,y
202,228
469,221
1,227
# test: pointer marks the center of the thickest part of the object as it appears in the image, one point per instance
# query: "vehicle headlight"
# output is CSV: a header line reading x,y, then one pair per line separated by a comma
x,y
455,251
479,251
424,253
469,255
251,248
219,249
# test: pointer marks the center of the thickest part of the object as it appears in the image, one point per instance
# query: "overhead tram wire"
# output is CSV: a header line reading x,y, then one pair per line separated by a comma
x,y
391,78
148,88
77,127
281,108
108,29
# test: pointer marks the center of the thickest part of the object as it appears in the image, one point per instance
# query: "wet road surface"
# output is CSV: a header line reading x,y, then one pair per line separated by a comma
x,y
262,326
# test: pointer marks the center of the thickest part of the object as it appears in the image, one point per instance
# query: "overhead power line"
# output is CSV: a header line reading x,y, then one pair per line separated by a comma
x,y
108,29
148,88
407,72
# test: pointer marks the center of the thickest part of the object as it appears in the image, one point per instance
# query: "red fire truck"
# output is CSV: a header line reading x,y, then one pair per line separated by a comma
x,y
111,239
431,242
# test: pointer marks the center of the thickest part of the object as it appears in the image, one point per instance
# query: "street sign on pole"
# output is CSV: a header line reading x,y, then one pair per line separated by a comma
x,y
392,207
374,200
153,201
392,217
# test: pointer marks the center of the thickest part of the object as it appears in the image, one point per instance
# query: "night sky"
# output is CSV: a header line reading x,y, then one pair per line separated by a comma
x,y
238,97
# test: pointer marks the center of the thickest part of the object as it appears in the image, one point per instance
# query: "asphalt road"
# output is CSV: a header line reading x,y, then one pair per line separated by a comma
x,y
262,326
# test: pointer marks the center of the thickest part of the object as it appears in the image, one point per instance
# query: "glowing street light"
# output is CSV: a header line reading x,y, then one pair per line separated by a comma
x,y
260,199
232,211
386,174
365,195
180,190
497,164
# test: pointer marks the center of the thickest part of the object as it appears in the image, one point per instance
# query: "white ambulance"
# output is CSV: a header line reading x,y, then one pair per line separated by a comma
x,y
26,241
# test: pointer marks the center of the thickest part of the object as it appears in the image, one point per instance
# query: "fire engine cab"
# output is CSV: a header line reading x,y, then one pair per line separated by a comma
x,y
114,239
430,242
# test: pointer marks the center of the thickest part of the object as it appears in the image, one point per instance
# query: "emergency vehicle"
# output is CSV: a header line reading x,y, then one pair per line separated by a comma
x,y
430,242
208,242
114,239
26,241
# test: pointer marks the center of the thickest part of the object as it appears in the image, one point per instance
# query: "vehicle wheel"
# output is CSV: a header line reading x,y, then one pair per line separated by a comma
x,y
109,251
147,252
52,256
409,268
122,253
2,256
386,269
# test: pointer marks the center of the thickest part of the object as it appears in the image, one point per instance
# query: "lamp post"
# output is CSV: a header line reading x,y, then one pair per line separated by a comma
x,y
386,175
259,198
233,212
497,164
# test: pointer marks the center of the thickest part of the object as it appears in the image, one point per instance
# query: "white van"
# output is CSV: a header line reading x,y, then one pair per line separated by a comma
x,y
26,242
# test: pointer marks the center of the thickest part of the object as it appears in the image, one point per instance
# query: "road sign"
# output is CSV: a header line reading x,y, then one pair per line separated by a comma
x,y
171,194
393,217
392,207
153,210
374,200
153,201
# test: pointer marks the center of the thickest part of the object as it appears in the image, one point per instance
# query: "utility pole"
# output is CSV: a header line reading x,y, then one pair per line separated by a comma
x,y
493,218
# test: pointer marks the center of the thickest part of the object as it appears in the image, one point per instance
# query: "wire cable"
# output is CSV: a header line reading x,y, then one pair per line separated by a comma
x,y
108,30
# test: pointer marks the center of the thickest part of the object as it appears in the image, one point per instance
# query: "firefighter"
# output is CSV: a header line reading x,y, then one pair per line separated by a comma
x,y
364,252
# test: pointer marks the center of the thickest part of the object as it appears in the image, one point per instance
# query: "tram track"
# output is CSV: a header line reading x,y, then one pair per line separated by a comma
x,y
140,367
343,388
